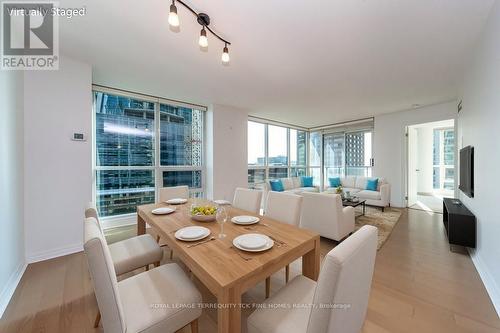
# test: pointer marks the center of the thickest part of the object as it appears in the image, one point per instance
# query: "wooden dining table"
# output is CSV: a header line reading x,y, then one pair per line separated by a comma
x,y
225,270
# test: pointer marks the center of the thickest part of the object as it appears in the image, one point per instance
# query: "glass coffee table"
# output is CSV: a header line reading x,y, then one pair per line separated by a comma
x,y
353,204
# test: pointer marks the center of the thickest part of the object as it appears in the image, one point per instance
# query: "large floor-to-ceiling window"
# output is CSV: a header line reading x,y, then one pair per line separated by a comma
x,y
141,144
275,152
342,151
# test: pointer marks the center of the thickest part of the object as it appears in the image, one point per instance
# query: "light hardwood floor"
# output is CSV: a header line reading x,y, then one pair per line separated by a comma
x,y
418,286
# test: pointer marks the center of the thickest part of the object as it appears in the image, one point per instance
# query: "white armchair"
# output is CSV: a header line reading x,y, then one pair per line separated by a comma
x,y
324,214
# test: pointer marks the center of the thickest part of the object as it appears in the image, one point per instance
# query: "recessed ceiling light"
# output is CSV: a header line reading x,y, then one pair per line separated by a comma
x,y
415,106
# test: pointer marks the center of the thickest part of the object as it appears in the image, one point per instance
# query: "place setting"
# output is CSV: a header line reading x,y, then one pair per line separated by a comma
x,y
253,242
193,234
176,201
163,210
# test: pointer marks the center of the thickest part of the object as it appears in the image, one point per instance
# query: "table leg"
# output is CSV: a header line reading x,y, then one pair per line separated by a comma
x,y
229,312
364,208
141,226
311,261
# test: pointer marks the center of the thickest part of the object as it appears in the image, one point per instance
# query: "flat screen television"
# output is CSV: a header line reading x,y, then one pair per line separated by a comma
x,y
467,171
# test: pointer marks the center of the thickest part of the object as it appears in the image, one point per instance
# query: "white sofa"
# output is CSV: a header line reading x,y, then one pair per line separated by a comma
x,y
291,185
356,185
324,214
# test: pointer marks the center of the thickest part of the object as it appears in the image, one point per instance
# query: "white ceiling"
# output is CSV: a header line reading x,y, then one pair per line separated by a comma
x,y
304,62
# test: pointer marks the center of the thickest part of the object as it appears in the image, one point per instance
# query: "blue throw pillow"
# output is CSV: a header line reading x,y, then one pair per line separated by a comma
x,y
334,182
276,185
307,182
371,184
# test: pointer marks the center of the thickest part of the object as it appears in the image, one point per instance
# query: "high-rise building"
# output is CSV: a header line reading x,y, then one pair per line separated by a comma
x,y
126,152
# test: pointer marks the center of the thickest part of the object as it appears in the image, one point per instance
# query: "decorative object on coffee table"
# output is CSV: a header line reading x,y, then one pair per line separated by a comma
x,y
339,190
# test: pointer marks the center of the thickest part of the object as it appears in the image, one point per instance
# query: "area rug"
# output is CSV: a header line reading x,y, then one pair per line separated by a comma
x,y
384,221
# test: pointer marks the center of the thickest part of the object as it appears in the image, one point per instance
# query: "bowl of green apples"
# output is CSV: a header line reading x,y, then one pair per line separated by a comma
x,y
205,213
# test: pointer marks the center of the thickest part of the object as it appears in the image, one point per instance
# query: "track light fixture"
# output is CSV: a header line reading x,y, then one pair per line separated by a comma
x,y
204,20
173,18
225,54
203,41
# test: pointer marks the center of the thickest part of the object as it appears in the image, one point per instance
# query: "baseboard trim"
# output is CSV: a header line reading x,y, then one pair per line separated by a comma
x,y
488,281
54,253
11,286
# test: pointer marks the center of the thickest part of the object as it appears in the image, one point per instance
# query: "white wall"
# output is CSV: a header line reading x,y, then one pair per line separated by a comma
x,y
58,171
227,160
478,126
389,144
12,264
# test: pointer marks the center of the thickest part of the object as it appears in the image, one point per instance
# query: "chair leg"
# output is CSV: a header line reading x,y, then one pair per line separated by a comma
x,y
157,264
171,254
147,268
287,273
194,326
268,287
97,319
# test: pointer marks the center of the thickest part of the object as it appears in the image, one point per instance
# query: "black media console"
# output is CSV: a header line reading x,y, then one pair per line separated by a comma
x,y
459,222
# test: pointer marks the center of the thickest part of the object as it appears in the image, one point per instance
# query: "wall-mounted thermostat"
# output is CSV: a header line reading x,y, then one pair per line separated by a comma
x,y
79,137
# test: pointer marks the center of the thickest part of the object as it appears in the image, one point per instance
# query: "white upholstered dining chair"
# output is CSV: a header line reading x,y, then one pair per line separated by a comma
x,y
152,301
283,207
132,253
336,303
247,199
174,192
129,254
325,214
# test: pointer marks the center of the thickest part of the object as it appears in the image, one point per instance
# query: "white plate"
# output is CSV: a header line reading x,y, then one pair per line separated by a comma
x,y
163,210
176,201
190,234
237,243
244,219
253,241
222,202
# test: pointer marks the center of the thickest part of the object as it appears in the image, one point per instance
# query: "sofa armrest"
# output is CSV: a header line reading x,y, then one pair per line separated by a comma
x,y
348,218
385,194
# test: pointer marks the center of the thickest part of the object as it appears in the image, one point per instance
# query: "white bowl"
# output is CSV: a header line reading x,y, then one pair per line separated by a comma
x,y
203,218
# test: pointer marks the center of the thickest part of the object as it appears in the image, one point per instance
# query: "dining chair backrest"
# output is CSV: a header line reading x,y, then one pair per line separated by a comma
x,y
174,192
91,211
345,281
284,207
247,199
104,279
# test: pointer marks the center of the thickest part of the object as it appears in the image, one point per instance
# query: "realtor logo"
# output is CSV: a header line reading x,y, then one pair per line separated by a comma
x,y
29,36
